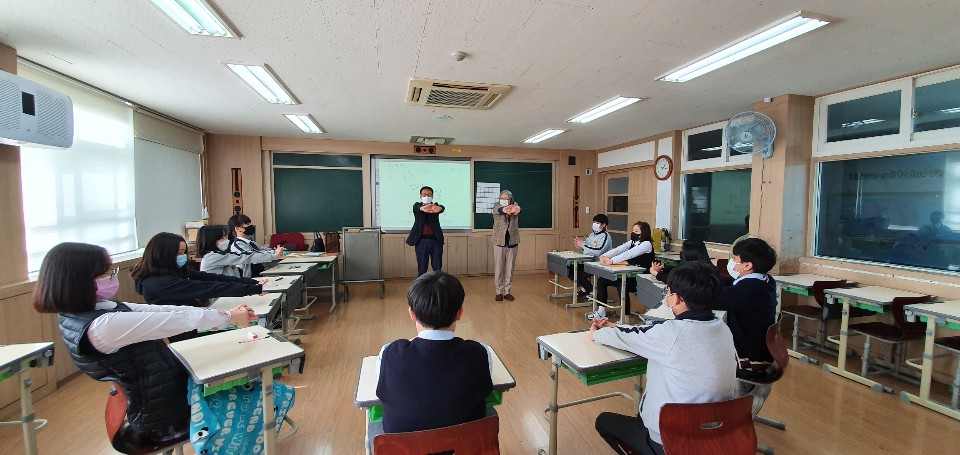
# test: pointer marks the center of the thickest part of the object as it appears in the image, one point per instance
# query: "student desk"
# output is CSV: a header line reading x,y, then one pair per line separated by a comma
x,y
305,270
943,314
663,313
590,362
668,259
225,357
366,398
801,284
265,306
16,360
558,263
323,262
612,273
872,298
288,286
650,291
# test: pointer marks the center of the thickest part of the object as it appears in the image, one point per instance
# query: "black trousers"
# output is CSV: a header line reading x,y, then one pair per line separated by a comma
x,y
428,251
583,278
619,429
603,284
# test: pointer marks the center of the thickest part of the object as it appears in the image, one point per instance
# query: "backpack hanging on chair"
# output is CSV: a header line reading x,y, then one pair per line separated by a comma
x,y
332,242
317,245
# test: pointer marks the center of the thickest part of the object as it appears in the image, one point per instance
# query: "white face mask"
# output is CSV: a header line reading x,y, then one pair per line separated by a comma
x,y
223,244
596,228
426,199
730,265
504,202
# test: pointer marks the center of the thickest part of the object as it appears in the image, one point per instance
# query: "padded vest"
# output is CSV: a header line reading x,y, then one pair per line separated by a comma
x,y
155,381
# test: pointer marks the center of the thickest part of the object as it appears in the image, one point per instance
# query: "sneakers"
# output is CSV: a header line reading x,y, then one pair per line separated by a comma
x,y
599,314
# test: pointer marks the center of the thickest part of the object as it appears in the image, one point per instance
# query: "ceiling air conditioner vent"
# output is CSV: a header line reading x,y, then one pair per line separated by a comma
x,y
461,95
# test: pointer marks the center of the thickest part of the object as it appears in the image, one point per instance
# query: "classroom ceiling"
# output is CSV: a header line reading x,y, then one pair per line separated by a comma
x,y
349,61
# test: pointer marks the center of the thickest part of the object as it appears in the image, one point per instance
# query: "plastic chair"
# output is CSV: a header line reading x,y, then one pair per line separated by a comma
x,y
125,439
952,344
721,428
763,382
813,313
293,241
897,334
480,437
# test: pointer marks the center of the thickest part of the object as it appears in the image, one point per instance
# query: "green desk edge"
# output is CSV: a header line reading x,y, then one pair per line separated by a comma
x,y
494,399
923,318
210,390
609,374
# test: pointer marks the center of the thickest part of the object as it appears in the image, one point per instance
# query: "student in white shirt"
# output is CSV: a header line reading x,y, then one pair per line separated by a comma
x,y
596,244
213,247
241,230
638,251
123,342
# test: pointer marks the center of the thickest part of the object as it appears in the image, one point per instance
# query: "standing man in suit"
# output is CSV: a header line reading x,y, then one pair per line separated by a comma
x,y
426,235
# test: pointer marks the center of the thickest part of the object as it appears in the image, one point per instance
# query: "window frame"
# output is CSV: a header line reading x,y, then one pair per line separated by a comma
x,y
725,160
682,212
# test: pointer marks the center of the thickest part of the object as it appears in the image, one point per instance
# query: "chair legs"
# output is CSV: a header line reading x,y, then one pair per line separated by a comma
x,y
760,392
955,389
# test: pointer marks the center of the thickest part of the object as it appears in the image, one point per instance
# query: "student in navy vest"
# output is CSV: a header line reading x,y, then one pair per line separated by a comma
x,y
426,234
436,379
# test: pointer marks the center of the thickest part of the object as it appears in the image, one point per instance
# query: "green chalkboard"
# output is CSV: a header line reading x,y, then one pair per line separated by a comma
x,y
531,185
309,200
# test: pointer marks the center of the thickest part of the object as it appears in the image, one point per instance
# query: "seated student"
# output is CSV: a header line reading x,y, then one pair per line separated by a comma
x,y
241,231
436,379
691,359
751,302
691,250
597,243
123,342
162,277
638,251
213,247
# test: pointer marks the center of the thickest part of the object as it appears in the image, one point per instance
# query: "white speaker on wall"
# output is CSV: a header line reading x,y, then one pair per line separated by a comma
x,y
33,114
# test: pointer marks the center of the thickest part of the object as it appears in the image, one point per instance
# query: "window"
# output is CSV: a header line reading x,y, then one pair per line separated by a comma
x,y
902,210
716,205
877,115
84,193
936,105
706,147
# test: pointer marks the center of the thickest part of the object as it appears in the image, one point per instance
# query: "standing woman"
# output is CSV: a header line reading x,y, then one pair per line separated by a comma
x,y
638,251
506,237
241,230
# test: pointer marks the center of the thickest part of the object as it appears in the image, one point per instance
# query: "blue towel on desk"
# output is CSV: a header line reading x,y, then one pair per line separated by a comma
x,y
230,422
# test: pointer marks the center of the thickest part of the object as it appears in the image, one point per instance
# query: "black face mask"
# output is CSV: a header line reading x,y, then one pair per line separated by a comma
x,y
634,237
250,230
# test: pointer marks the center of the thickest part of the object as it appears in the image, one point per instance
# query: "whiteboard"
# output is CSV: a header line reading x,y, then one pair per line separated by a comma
x,y
397,184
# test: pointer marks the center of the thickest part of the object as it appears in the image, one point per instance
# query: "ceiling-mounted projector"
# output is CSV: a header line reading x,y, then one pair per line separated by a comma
x,y
33,114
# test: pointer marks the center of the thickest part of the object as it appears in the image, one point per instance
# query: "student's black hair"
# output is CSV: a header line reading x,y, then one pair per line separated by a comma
x,y
694,250
207,239
697,283
435,299
234,222
67,281
756,251
601,218
645,234
426,188
159,257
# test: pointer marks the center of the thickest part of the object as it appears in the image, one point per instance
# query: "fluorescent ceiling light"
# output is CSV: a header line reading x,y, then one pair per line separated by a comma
x,y
789,27
711,149
263,82
197,17
952,110
305,123
615,104
542,136
860,123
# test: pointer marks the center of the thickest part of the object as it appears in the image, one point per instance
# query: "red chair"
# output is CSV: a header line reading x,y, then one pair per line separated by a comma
x,y
480,437
813,313
125,439
293,241
721,428
897,334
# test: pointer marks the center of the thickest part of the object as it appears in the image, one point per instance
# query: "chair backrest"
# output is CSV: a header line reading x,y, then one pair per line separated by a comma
x,y
480,437
900,320
778,350
721,428
290,240
116,412
722,266
820,286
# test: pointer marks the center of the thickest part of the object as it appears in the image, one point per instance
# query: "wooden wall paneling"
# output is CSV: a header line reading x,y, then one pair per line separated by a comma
x,y
545,243
478,249
226,152
456,255
13,241
409,261
393,256
642,201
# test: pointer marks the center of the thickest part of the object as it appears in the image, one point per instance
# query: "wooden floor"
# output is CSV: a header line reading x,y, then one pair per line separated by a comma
x,y
825,414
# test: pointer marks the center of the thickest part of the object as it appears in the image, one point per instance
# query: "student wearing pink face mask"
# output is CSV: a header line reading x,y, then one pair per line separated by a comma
x,y
123,342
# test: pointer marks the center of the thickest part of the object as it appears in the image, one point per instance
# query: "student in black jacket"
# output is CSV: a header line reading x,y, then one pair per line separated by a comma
x,y
426,235
751,302
162,277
